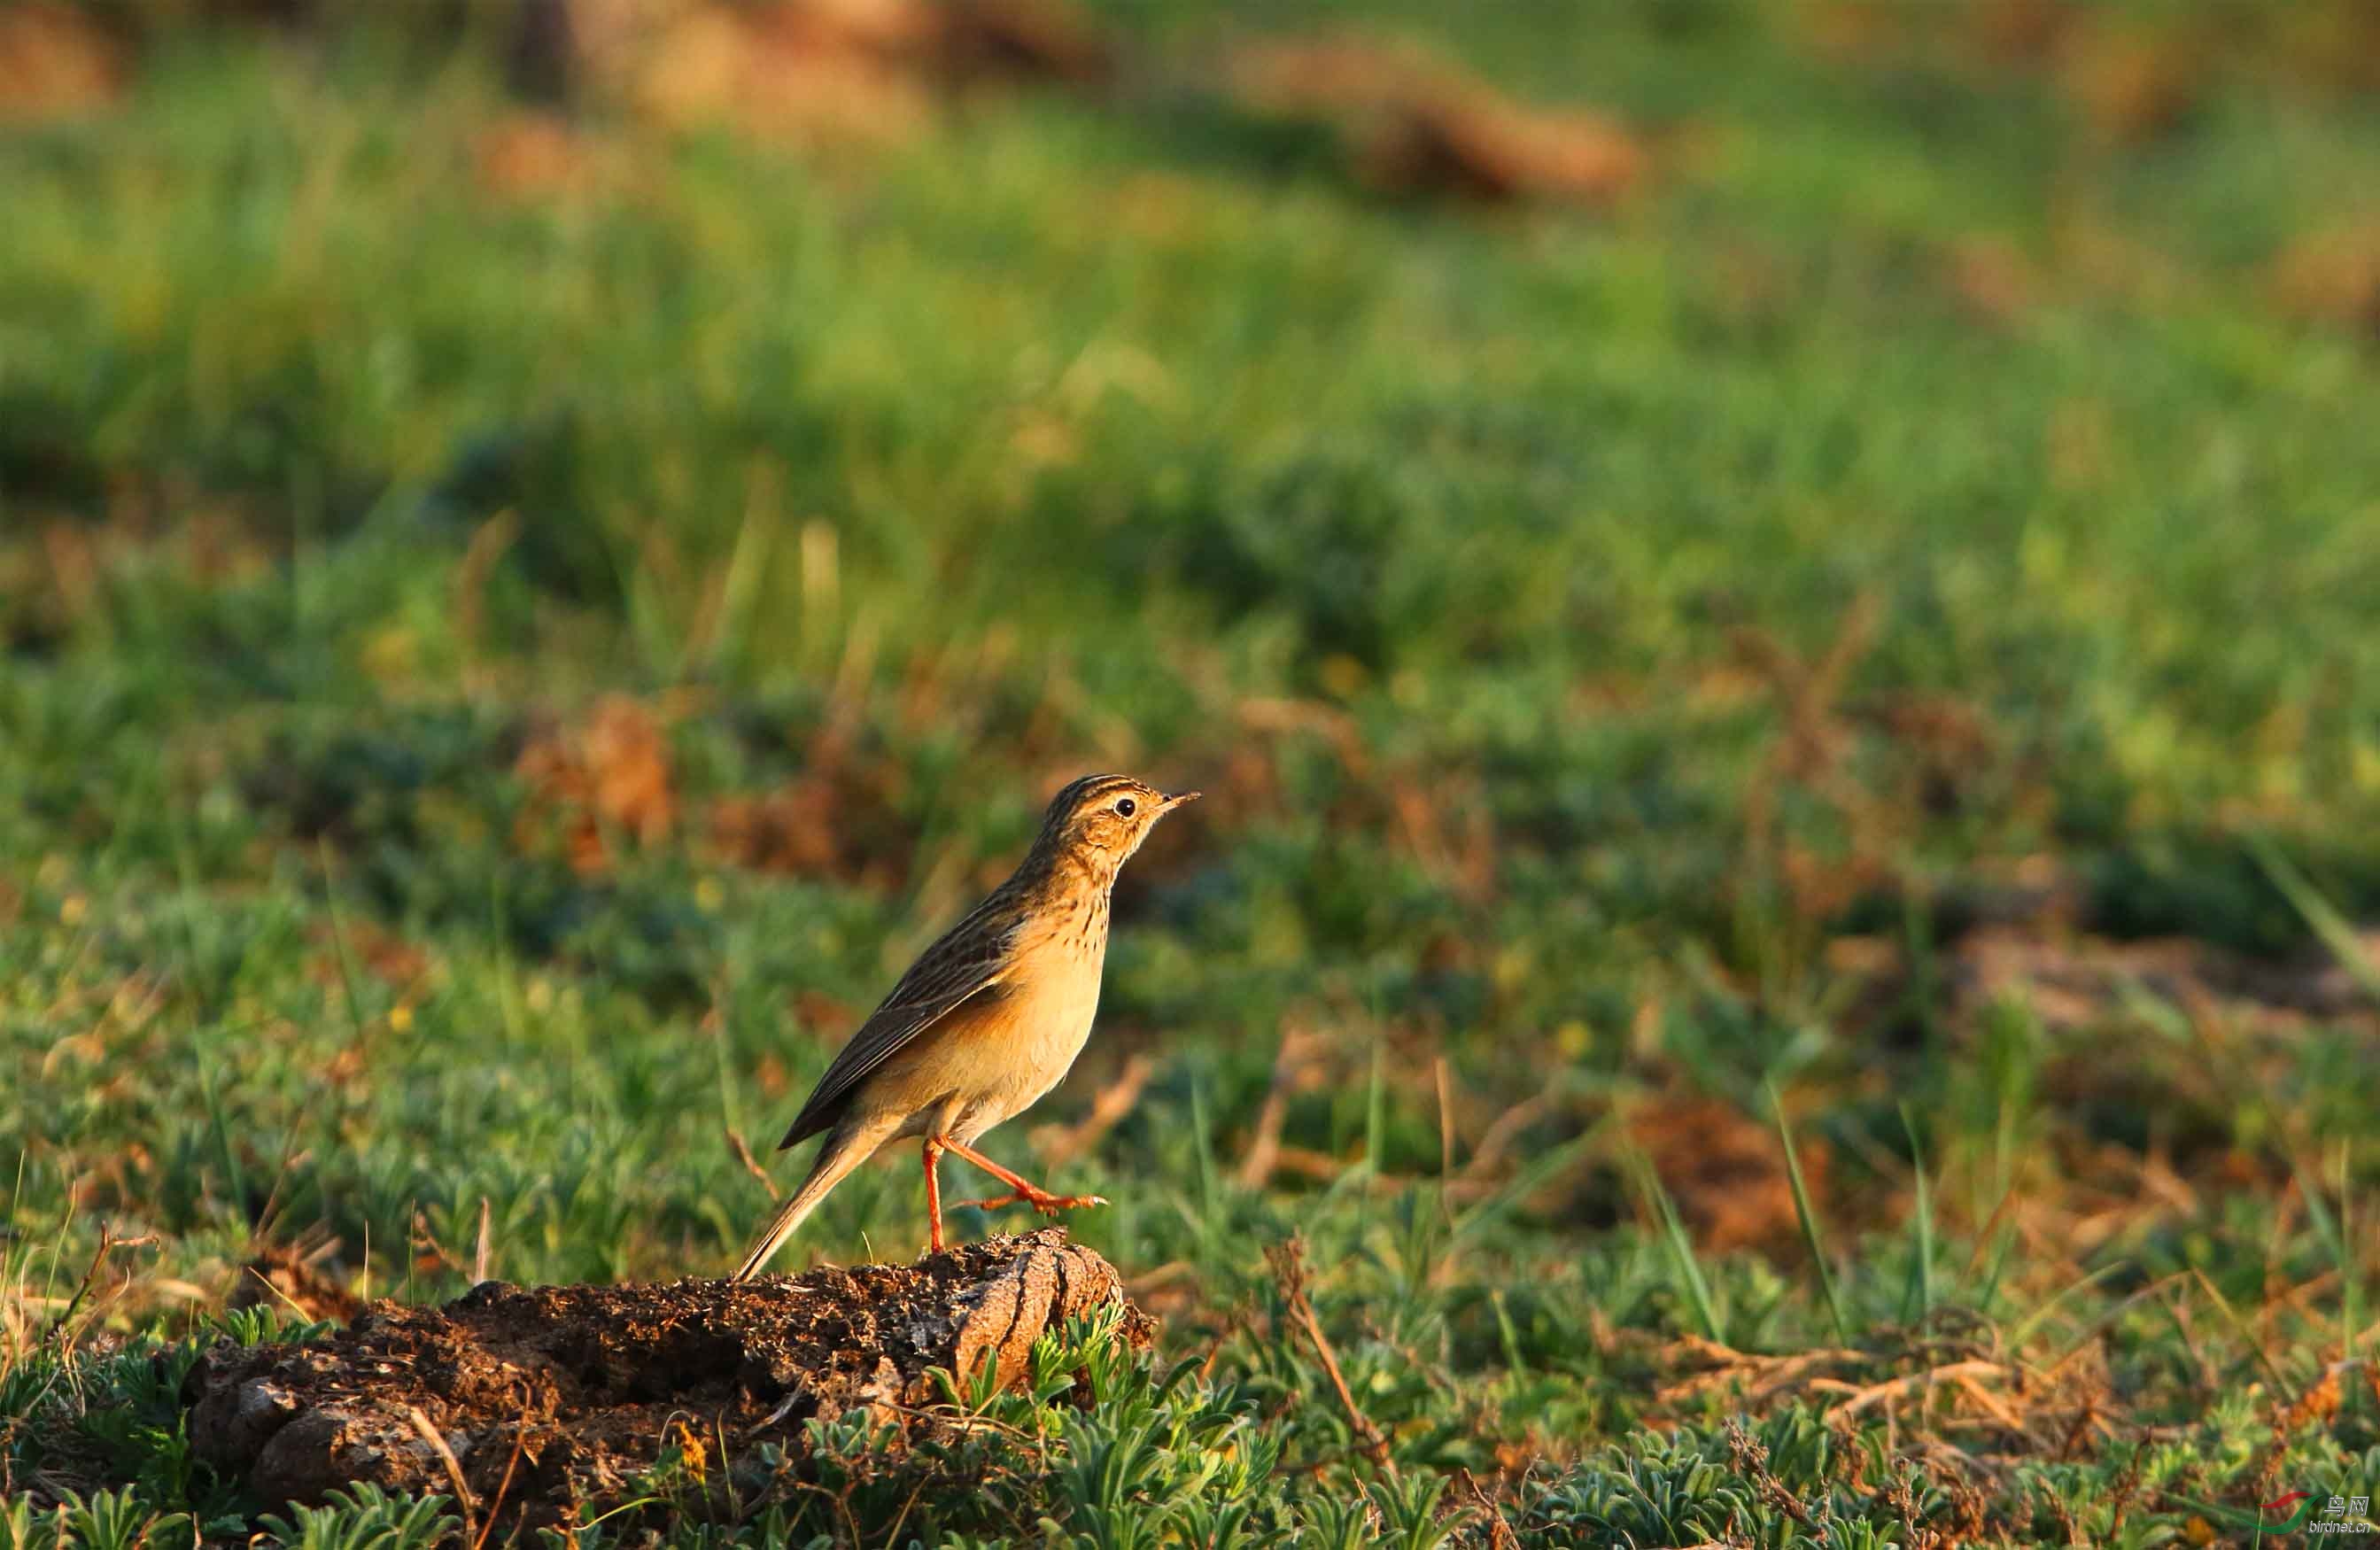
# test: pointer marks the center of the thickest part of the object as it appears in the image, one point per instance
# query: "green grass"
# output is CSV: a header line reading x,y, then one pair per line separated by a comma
x,y
1638,658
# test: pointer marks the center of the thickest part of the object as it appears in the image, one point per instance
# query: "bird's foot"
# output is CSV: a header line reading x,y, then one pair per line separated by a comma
x,y
1041,1200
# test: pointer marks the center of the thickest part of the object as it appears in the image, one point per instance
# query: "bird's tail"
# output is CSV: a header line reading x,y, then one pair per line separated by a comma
x,y
845,1150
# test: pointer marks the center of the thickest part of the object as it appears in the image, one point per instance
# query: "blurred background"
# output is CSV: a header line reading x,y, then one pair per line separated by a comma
x,y
1720,563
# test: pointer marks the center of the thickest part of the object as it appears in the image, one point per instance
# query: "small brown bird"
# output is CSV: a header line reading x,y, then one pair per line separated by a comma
x,y
986,1020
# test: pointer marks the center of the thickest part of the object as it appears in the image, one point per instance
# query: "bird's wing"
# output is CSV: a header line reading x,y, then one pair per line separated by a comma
x,y
968,960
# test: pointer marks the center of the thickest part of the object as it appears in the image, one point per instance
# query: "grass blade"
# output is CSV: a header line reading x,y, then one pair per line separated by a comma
x,y
1376,1128
1922,1269
1206,1144
1673,1232
2349,1283
344,955
1524,1183
2034,1320
2320,913
235,1180
1808,1216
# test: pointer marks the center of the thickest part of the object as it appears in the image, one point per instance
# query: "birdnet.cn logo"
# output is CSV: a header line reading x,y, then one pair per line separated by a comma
x,y
2339,1515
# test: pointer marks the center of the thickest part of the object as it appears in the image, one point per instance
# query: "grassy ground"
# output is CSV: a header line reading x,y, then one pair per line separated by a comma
x,y
1862,653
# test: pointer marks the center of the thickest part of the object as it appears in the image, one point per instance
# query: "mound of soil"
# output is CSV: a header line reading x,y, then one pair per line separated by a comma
x,y
536,1400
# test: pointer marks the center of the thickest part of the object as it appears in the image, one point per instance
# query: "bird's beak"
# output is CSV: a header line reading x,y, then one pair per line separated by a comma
x,y
1179,799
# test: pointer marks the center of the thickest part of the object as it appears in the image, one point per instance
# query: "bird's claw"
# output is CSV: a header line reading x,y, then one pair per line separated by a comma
x,y
1041,1200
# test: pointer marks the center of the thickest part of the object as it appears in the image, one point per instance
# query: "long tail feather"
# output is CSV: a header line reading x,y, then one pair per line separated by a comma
x,y
843,1151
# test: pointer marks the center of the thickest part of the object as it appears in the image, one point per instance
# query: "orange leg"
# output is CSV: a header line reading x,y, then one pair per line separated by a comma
x,y
1041,1200
934,1191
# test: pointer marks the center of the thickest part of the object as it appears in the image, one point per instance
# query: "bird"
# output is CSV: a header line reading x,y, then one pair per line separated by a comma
x,y
986,1020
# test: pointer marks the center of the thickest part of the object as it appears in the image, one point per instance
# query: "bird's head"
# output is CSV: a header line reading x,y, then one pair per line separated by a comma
x,y
1101,820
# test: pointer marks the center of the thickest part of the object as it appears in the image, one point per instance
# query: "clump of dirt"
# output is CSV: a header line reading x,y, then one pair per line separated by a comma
x,y
2333,276
56,62
839,817
291,1277
1725,1170
2072,979
537,1401
1416,124
605,782
831,74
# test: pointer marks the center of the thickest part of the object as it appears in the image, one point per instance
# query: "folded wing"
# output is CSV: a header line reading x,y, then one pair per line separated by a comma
x,y
967,961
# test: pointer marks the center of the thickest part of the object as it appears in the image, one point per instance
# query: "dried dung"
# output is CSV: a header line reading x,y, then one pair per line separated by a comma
x,y
555,1397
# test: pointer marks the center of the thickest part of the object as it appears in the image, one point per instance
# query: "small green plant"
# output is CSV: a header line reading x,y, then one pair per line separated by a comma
x,y
115,1521
363,1517
17,1524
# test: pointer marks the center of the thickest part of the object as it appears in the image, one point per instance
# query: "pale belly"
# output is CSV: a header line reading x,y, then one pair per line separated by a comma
x,y
973,1071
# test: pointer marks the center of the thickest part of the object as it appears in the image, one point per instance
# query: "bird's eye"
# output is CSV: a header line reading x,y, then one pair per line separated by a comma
x,y
1126,807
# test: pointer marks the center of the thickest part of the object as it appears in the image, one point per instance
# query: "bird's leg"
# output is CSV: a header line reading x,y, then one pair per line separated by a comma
x,y
934,1191
1041,1200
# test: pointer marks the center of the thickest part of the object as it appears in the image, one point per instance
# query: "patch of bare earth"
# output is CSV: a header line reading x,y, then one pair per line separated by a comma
x,y
56,62
530,1402
1417,124
2075,980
